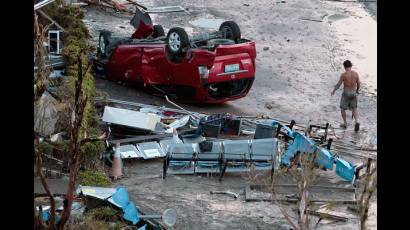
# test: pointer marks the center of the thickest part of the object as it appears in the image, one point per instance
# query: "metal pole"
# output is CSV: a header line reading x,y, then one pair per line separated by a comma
x,y
150,217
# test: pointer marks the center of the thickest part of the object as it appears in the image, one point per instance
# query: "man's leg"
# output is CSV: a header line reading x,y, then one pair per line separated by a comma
x,y
343,107
355,115
356,125
344,118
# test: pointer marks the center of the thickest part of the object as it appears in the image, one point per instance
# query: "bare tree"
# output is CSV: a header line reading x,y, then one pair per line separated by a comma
x,y
303,170
365,192
78,137
75,102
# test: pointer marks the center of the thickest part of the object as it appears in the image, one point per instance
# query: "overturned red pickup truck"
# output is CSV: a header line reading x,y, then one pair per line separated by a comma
x,y
209,68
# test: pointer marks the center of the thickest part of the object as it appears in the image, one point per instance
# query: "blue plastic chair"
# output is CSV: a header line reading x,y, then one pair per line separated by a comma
x,y
131,213
325,159
345,169
120,197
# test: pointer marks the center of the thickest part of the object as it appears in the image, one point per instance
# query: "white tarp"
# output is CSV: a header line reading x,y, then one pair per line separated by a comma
x,y
178,124
130,118
45,115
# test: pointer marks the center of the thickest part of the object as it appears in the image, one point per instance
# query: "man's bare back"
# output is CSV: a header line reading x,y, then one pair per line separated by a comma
x,y
350,80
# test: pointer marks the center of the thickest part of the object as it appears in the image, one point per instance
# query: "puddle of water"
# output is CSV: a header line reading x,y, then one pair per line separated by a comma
x,y
207,23
336,17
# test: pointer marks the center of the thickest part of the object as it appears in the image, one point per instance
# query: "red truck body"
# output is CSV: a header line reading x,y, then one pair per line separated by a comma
x,y
146,62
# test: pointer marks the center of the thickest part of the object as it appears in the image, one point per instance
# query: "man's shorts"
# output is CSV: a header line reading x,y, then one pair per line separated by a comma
x,y
348,100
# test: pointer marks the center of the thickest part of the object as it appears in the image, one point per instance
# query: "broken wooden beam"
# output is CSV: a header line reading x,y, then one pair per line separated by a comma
x,y
139,5
313,20
50,19
249,198
265,186
326,215
141,138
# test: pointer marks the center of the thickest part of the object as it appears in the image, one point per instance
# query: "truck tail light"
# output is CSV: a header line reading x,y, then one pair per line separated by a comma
x,y
203,72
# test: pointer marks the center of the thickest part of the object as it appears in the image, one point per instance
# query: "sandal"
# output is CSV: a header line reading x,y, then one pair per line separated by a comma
x,y
357,127
343,126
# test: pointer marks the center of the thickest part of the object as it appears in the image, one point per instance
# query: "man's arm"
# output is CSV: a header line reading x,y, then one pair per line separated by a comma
x,y
358,84
338,84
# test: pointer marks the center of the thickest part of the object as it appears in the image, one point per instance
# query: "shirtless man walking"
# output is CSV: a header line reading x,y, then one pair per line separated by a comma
x,y
351,83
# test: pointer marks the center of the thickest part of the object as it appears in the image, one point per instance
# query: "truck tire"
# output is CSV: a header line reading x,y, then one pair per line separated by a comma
x,y
158,31
176,43
231,30
103,42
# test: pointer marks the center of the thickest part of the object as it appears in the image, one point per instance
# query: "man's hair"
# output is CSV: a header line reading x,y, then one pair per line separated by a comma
x,y
347,64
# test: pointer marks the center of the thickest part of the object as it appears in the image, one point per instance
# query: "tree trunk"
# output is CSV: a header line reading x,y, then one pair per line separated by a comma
x,y
39,164
302,212
36,221
79,105
70,193
367,193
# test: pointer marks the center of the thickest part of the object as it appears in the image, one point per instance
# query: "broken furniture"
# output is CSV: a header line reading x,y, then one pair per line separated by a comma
x,y
325,159
272,128
220,156
319,131
180,159
208,157
213,125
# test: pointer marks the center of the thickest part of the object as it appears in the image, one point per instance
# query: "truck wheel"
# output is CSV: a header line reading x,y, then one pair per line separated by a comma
x,y
103,41
158,31
177,41
231,30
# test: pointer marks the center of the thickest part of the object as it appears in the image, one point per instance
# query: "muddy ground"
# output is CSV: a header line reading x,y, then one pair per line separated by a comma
x,y
301,45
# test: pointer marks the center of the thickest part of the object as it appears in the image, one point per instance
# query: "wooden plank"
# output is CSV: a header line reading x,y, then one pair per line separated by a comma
x,y
326,215
248,198
49,18
261,187
141,138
